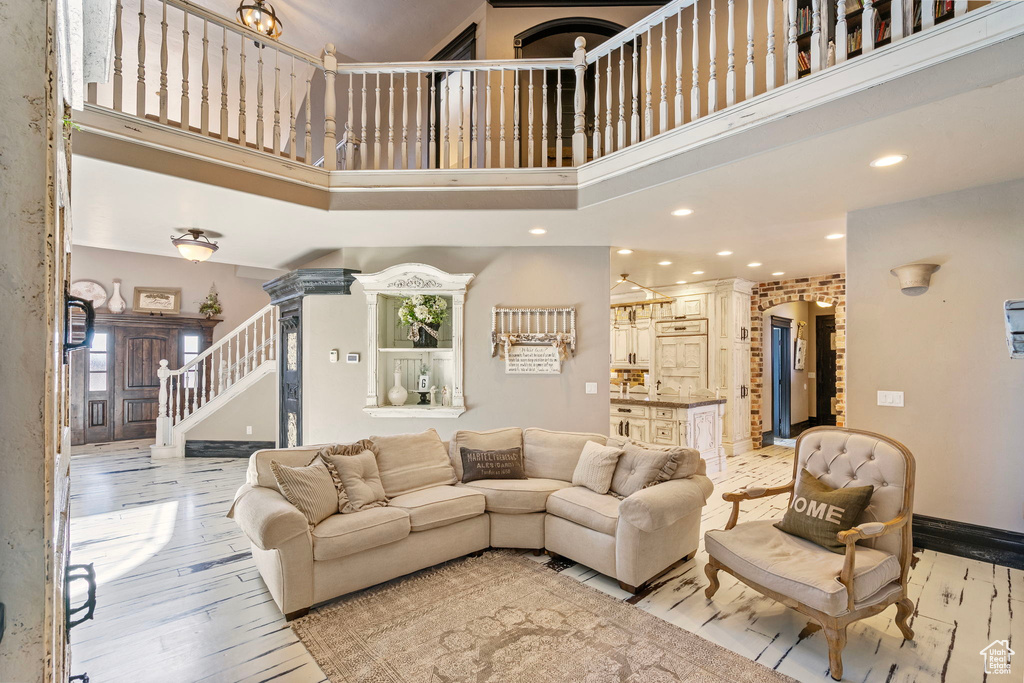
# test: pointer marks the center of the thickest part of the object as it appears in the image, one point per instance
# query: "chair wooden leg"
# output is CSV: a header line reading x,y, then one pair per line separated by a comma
x,y
296,614
712,573
836,637
904,608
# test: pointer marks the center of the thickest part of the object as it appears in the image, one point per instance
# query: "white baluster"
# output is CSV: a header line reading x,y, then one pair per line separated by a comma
x,y
558,118
663,109
609,136
432,151
516,145
712,64
473,117
769,61
791,46
364,151
224,86
163,64
529,121
445,122
184,74
404,161
276,141
263,338
959,7
163,374
330,109
376,123
259,97
202,382
596,142
544,153
419,119
391,120
195,388
118,47
634,117
487,122
204,96
927,17
140,86
868,24
648,90
247,359
695,87
748,75
730,75
579,132
462,100
501,119
896,28
622,98
309,118
679,67
349,127
842,39
241,91
816,52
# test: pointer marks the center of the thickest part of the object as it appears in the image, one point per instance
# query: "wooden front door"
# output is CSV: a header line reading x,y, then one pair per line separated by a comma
x,y
93,390
825,367
136,390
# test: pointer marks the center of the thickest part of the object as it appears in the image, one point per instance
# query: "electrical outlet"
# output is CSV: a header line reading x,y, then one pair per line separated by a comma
x,y
591,387
248,430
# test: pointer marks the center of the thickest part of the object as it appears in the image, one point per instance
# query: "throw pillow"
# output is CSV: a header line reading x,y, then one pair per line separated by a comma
x,y
491,440
639,468
818,512
595,467
311,489
412,462
506,463
360,479
330,451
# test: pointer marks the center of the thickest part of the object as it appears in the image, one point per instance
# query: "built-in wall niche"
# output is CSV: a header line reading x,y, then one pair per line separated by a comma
x,y
394,358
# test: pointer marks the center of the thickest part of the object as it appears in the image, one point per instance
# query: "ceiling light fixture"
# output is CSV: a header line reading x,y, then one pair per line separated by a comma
x,y
680,282
259,16
537,231
637,287
682,212
624,252
724,253
697,272
823,304
664,263
888,160
755,264
195,248
779,273
835,236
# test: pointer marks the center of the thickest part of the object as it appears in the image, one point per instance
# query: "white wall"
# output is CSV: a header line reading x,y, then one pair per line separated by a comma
x,y
334,393
964,397
255,407
240,297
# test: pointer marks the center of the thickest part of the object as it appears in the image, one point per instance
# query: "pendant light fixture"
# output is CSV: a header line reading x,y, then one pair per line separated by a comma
x,y
196,246
260,16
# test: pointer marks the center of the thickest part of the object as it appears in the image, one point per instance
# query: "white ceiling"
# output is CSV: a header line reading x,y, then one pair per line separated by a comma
x,y
774,208
364,30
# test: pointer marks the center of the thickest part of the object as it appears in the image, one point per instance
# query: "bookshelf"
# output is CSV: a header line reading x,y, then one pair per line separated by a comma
x,y
884,21
805,32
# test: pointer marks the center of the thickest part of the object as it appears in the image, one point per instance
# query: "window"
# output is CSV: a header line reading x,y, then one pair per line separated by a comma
x,y
189,351
99,361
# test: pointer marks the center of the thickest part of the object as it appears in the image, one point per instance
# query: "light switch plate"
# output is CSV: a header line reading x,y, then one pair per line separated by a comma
x,y
591,387
892,399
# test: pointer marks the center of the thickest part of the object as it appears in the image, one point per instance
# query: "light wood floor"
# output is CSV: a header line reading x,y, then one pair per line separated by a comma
x,y
180,600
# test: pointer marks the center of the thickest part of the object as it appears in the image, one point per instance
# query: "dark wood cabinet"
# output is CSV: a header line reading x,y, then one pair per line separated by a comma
x,y
114,383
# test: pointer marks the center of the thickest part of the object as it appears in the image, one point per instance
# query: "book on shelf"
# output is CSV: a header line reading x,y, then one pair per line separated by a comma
x,y
803,21
853,40
884,30
803,61
854,5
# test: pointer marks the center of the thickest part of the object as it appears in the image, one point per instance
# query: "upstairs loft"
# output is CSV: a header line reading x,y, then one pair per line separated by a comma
x,y
693,86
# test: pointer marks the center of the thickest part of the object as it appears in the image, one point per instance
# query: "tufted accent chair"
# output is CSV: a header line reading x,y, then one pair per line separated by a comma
x,y
834,590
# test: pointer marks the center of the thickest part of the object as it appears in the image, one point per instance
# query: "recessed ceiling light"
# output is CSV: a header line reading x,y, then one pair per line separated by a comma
x,y
634,288
725,253
619,281
664,263
682,212
835,236
537,231
698,272
624,252
823,304
680,282
755,264
778,273
888,160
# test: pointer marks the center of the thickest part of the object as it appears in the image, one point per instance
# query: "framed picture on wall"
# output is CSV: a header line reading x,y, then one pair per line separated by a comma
x,y
800,355
163,300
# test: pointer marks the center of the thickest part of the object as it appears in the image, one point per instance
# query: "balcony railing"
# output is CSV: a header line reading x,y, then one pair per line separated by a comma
x,y
679,64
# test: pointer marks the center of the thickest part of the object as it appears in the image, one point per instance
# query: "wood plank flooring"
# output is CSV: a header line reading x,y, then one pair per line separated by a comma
x,y
180,599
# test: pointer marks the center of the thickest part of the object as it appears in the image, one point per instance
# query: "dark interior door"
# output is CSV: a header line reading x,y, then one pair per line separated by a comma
x,y
136,386
781,377
825,368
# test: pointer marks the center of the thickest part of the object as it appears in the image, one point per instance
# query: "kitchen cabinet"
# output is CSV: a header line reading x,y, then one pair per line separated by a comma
x,y
632,343
696,424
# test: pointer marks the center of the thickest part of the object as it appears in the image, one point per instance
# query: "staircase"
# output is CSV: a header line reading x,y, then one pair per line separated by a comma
x,y
198,389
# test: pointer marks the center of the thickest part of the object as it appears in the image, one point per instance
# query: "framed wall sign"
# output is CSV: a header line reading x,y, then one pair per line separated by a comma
x,y
164,300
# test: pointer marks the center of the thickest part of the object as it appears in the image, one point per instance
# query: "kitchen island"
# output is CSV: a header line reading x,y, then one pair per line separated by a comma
x,y
672,420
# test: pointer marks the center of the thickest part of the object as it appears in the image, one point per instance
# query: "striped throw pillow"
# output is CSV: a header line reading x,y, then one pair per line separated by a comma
x,y
311,489
595,467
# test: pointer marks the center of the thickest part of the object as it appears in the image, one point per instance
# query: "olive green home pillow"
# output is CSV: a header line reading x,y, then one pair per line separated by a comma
x,y
818,512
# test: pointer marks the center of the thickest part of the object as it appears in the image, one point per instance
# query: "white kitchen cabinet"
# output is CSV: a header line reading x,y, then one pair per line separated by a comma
x,y
632,343
643,341
692,306
693,426
682,363
622,343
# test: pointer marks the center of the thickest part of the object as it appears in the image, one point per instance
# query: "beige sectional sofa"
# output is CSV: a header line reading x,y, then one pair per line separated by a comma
x,y
432,517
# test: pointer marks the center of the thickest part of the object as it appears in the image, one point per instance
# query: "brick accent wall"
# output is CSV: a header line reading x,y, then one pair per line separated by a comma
x,y
830,288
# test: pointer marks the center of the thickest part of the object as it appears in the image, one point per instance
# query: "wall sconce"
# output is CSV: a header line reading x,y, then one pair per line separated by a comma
x,y
914,277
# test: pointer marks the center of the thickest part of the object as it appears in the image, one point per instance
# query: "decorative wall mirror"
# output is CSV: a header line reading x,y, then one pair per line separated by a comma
x,y
415,331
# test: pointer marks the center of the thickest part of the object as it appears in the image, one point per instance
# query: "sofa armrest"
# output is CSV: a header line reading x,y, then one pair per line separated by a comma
x,y
659,506
266,517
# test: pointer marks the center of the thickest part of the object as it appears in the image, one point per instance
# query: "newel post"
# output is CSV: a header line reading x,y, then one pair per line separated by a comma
x,y
579,135
163,421
330,104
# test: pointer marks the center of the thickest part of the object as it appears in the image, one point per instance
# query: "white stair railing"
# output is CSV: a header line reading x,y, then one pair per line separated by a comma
x,y
675,66
185,391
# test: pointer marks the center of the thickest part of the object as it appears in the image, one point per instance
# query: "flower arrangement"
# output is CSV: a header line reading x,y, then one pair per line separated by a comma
x,y
427,309
210,306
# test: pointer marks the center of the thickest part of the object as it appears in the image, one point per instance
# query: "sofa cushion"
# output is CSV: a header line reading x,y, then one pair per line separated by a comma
x,y
506,463
358,481
341,535
492,440
311,489
798,568
639,468
439,506
517,496
595,467
410,462
553,455
586,508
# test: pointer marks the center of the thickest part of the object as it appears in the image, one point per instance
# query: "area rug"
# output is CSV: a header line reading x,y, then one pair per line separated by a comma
x,y
502,618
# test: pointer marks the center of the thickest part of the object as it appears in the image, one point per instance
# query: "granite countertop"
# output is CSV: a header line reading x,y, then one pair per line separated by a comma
x,y
666,402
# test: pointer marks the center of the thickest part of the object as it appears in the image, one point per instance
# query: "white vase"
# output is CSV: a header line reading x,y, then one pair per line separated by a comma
x,y
116,303
398,393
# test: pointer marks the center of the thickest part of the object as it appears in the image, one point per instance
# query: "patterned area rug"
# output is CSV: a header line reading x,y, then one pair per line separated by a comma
x,y
502,618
